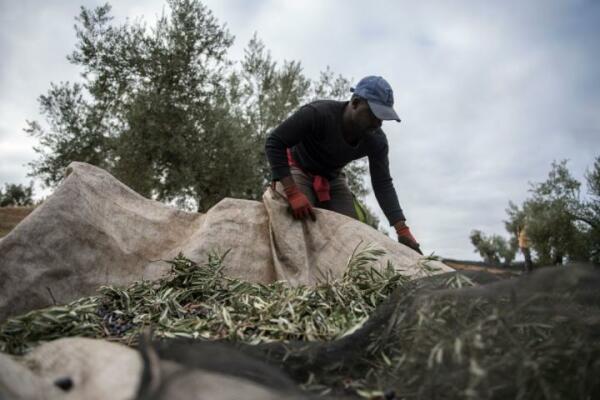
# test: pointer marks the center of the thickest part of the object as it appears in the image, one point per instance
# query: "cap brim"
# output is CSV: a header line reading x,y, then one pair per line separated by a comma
x,y
382,112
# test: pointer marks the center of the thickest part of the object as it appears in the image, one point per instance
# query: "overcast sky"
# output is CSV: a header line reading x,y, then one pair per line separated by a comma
x,y
489,92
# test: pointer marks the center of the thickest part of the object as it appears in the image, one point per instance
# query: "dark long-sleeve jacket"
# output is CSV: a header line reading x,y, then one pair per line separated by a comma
x,y
314,135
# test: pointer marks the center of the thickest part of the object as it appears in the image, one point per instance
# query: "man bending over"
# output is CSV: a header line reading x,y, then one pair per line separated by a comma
x,y
308,151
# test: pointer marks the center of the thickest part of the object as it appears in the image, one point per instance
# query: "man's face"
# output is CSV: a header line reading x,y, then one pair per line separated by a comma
x,y
363,119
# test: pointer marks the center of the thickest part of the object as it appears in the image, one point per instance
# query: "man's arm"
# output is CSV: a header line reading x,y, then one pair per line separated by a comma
x,y
384,190
383,186
287,134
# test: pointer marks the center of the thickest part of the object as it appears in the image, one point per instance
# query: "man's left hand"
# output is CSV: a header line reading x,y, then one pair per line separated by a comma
x,y
406,238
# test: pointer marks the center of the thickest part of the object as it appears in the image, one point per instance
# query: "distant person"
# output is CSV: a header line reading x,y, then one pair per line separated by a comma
x,y
524,247
308,150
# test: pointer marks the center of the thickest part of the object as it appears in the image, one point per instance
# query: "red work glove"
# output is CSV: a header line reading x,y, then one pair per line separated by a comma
x,y
406,238
301,207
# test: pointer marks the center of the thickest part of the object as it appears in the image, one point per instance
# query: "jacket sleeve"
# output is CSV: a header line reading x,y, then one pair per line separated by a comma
x,y
383,185
289,133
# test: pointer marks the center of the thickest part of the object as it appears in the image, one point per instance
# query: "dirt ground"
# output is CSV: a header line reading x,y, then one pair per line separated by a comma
x,y
11,216
480,266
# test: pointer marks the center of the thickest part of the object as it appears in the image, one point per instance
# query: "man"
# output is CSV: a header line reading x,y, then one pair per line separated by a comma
x,y
524,247
309,149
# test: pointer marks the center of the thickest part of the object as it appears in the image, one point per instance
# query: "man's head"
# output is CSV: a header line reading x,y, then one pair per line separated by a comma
x,y
371,103
361,117
379,96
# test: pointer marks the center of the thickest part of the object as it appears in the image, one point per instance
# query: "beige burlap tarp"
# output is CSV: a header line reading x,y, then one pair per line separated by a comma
x,y
97,369
93,230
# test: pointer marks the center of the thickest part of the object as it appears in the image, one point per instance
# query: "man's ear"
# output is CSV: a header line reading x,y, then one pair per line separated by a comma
x,y
355,103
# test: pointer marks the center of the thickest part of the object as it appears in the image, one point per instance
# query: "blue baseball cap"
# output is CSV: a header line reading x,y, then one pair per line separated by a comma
x,y
380,96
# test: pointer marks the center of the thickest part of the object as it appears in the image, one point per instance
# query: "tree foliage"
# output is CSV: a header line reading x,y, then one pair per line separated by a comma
x,y
167,112
549,216
558,223
16,195
589,211
269,93
493,249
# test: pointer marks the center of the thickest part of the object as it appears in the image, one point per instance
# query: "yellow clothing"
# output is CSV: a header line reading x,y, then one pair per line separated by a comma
x,y
523,240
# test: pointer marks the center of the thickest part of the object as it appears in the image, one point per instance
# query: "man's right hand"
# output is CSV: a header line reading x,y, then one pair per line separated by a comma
x,y
301,207
405,236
